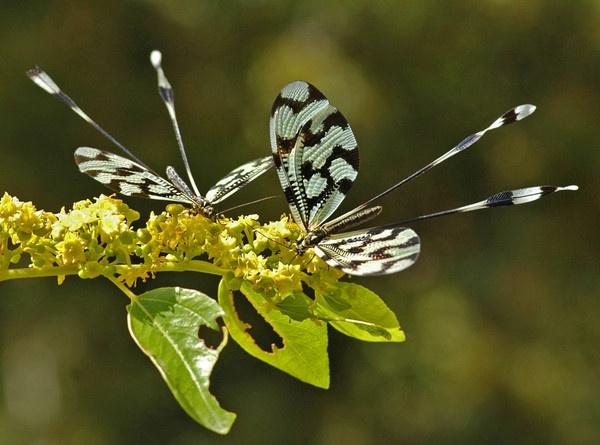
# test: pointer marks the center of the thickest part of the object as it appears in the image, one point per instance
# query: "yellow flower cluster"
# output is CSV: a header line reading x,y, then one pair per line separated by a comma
x,y
97,238
23,230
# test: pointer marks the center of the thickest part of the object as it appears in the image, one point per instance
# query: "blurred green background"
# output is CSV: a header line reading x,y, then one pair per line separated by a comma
x,y
501,311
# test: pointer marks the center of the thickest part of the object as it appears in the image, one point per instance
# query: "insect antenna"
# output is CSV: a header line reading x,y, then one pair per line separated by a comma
x,y
246,204
308,262
271,239
45,82
168,96
513,115
507,198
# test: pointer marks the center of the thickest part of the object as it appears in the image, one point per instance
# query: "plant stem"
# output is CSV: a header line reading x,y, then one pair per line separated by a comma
x,y
189,266
204,267
27,272
122,288
31,272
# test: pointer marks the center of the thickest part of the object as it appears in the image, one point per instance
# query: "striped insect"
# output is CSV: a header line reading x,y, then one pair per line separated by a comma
x,y
316,157
132,177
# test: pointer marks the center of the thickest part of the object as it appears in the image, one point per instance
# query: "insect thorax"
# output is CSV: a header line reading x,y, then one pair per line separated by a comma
x,y
201,206
209,212
309,240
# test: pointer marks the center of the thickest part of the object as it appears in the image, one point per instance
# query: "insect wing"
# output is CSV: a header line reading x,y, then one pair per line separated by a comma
x,y
375,251
126,176
315,153
238,178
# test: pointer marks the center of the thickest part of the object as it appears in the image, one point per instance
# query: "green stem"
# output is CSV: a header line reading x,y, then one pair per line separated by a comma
x,y
31,272
123,288
204,267
26,272
189,266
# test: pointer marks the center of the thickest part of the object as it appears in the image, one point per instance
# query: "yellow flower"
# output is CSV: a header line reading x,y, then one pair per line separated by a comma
x,y
285,279
71,249
109,225
8,206
75,219
131,275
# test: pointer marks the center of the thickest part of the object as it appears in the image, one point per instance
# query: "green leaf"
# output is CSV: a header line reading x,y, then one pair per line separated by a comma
x,y
296,307
304,351
358,312
164,323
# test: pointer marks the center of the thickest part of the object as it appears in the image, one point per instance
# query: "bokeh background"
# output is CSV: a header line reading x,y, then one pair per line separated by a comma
x,y
501,311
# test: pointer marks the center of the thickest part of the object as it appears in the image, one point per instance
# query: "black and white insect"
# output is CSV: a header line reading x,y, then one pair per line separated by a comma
x,y
132,177
316,157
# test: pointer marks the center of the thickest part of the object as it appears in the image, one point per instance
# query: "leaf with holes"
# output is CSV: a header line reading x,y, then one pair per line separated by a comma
x,y
358,312
164,323
304,351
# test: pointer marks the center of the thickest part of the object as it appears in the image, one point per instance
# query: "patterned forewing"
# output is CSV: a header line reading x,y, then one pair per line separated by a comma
x,y
375,251
238,178
315,153
126,176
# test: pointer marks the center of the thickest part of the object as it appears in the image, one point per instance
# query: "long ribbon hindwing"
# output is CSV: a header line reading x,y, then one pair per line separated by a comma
x,y
131,176
375,251
316,156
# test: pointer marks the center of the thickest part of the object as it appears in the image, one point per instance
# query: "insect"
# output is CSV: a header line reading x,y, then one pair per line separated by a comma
x,y
316,157
132,177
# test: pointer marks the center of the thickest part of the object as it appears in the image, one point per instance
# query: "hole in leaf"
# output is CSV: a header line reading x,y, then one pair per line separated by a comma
x,y
210,337
308,291
263,334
